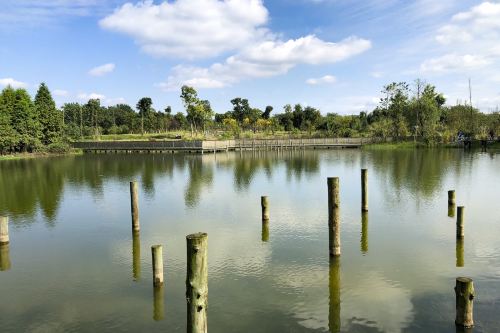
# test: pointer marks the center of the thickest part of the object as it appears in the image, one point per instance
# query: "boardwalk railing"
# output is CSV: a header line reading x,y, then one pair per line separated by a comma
x,y
223,145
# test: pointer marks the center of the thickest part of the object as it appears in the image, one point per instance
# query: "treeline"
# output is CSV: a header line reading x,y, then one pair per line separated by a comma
x,y
418,111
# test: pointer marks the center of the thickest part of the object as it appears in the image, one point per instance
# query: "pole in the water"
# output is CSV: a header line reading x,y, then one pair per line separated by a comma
x,y
134,205
333,216
197,283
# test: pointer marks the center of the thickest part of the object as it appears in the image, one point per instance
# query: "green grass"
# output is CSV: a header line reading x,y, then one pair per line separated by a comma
x,y
394,145
20,156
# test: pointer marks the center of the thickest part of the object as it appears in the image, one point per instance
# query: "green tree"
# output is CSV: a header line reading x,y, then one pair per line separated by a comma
x,y
144,107
241,109
50,118
267,112
8,135
26,123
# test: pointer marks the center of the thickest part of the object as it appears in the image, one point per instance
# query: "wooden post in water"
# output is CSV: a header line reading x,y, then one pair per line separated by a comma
x,y
264,202
364,190
157,253
451,197
364,232
197,283
333,216
136,255
134,205
464,292
158,303
459,252
4,257
460,222
451,210
4,230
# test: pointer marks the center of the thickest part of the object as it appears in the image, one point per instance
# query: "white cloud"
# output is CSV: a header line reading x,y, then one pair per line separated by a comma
x,y
322,80
60,93
268,58
27,13
102,70
377,74
454,62
13,83
190,28
86,97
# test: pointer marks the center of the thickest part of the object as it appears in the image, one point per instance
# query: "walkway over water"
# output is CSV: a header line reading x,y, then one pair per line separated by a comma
x,y
199,146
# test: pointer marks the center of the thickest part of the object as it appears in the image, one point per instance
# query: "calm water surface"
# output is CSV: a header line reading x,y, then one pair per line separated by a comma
x,y
74,265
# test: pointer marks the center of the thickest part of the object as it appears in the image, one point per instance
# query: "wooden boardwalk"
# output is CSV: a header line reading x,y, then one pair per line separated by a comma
x,y
198,146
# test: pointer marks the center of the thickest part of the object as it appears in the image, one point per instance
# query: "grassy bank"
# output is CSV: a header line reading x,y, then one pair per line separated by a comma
x,y
394,145
20,156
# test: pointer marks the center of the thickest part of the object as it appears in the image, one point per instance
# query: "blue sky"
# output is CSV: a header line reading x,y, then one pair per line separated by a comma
x,y
332,54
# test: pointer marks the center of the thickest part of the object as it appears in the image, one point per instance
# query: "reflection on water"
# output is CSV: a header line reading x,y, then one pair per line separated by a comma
x,y
136,255
334,300
398,264
265,230
460,252
364,232
451,210
158,303
4,257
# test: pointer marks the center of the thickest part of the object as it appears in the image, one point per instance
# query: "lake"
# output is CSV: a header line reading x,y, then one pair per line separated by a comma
x,y
73,264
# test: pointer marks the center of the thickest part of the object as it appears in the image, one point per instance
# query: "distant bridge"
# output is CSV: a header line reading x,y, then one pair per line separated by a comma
x,y
202,146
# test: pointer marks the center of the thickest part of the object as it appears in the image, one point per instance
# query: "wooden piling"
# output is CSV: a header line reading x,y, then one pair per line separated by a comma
x,y
157,253
333,216
136,255
4,257
264,202
4,230
451,197
197,283
134,205
364,190
464,293
460,222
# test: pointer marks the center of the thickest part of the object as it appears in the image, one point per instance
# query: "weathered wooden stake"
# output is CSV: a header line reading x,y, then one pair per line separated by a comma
x,y
264,202
333,216
459,252
4,230
364,190
265,230
134,202
4,257
157,252
136,255
464,292
197,283
364,232
158,303
451,197
460,222
334,299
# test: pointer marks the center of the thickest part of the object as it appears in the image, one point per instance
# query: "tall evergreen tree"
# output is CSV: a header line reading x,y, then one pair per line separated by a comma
x,y
50,118
25,121
8,135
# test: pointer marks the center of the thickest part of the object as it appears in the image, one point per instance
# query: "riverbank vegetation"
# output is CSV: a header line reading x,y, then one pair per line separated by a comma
x,y
417,111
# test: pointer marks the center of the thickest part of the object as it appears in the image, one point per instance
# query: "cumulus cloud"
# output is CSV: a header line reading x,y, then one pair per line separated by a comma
x,y
474,36
13,83
86,97
190,28
60,93
102,70
322,80
454,62
265,59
